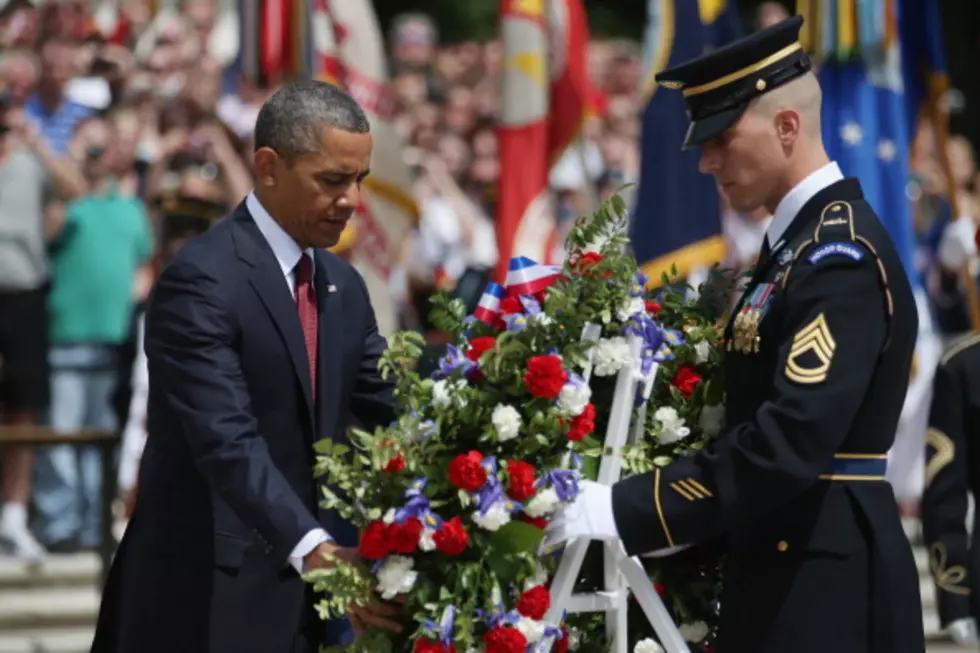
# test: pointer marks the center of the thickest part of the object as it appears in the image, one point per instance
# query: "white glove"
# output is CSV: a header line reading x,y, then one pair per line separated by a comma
x,y
964,632
958,243
590,516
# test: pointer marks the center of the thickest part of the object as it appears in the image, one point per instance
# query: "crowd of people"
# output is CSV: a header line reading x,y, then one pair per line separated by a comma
x,y
126,134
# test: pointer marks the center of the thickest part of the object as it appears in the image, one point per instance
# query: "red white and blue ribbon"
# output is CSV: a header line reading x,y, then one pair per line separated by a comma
x,y
488,309
527,277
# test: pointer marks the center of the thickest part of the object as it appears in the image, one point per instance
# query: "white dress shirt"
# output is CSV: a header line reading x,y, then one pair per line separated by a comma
x,y
288,254
802,193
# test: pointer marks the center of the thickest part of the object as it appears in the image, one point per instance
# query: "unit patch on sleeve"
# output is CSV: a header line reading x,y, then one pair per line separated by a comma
x,y
852,252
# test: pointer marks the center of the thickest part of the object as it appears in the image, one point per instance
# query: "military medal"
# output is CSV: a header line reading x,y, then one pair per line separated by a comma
x,y
746,325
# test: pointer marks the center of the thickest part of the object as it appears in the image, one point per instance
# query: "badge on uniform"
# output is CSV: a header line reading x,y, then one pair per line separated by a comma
x,y
745,327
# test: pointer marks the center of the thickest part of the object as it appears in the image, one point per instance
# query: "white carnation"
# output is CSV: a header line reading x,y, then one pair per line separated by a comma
x,y
543,503
609,355
712,419
672,428
574,398
540,577
647,646
574,638
506,421
702,350
693,632
389,517
495,517
542,319
532,629
445,391
426,541
396,577
633,306
440,394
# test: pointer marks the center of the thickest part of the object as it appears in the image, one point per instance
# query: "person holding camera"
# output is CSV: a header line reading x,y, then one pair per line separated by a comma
x,y
31,174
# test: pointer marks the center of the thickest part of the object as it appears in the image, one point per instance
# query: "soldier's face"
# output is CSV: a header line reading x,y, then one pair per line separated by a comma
x,y
745,162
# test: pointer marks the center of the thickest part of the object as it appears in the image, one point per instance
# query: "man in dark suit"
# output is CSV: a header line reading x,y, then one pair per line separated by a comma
x,y
258,344
953,463
817,369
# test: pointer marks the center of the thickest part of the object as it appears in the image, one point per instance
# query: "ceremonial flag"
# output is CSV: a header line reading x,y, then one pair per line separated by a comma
x,y
677,217
525,220
872,100
348,50
274,37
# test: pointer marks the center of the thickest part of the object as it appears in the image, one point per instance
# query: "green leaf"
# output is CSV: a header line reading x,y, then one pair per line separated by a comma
x,y
517,537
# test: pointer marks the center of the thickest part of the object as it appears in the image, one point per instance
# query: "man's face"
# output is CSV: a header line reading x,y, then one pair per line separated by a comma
x,y
57,66
320,192
745,161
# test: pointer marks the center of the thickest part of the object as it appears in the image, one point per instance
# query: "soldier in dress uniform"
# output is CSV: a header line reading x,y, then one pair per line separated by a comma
x,y
952,465
818,365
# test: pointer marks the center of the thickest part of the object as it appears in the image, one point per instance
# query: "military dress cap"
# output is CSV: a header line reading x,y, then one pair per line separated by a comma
x,y
719,86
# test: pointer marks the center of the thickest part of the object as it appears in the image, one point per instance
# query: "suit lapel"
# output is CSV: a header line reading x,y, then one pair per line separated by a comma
x,y
271,287
330,340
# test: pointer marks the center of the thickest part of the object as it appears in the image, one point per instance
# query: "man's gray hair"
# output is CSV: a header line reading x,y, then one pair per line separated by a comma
x,y
291,121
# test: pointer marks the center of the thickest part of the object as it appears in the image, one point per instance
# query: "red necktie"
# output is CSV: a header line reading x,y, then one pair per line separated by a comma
x,y
306,307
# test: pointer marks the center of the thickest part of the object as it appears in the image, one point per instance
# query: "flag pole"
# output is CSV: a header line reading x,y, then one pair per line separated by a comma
x,y
969,284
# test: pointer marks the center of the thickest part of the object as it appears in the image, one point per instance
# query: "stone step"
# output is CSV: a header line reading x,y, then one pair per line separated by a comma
x,y
48,607
60,570
77,639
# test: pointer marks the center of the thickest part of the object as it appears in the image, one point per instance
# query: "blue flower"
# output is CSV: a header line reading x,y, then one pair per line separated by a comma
x,y
452,361
444,629
564,481
418,506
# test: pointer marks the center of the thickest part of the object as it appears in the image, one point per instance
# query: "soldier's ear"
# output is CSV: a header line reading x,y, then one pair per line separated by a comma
x,y
788,124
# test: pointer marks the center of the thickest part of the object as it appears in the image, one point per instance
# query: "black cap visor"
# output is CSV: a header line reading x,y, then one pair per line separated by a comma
x,y
712,126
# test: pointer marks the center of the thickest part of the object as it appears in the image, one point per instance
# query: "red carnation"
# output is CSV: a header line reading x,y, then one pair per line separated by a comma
x,y
587,261
478,346
652,307
405,536
428,646
466,473
582,425
395,465
660,589
561,646
538,522
521,486
505,640
545,376
511,305
686,380
374,541
452,538
534,603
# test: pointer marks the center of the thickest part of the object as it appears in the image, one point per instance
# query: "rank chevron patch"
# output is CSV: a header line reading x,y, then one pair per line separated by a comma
x,y
811,353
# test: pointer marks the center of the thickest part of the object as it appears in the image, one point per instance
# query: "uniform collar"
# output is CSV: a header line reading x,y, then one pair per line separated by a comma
x,y
793,202
286,251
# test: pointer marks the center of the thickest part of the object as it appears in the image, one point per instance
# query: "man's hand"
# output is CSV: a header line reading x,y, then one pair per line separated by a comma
x,y
590,516
379,615
964,632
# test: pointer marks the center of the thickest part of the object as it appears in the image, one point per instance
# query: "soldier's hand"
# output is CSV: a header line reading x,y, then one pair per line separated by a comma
x,y
590,516
964,632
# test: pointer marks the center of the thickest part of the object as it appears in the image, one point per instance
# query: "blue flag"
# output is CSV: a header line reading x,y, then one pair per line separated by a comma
x,y
870,109
677,217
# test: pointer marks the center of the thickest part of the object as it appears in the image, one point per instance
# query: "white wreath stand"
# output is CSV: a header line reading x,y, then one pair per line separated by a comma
x,y
622,573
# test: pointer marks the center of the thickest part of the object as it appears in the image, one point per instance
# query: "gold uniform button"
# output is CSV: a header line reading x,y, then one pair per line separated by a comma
x,y
783,545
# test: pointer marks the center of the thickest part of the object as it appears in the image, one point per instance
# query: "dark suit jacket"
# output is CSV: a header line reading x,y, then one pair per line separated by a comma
x,y
226,487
